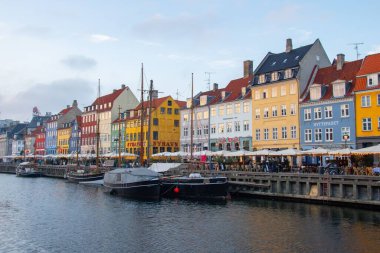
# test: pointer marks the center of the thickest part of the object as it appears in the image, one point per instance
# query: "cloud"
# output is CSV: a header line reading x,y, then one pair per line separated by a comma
x,y
50,97
100,38
79,62
182,26
375,49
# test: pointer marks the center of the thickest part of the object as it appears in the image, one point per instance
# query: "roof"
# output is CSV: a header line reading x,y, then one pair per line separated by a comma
x,y
275,62
109,97
37,120
326,76
371,64
233,90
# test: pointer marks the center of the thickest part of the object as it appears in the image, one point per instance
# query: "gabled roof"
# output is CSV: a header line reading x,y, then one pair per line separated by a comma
x,y
37,120
327,76
233,90
371,64
109,97
275,62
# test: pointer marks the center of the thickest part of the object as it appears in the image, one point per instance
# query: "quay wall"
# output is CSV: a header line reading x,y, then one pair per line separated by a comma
x,y
57,171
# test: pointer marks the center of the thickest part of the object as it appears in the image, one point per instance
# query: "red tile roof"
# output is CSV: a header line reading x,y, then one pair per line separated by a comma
x,y
109,97
233,90
371,64
325,77
64,111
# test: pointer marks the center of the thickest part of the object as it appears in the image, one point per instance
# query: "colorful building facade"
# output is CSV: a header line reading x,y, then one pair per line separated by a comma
x,y
39,144
118,134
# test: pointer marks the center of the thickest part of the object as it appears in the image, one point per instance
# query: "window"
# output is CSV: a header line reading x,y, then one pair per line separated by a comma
x,y
318,134
237,126
274,133
155,135
257,113
185,131
378,123
213,111
283,110
284,133
221,110
367,124
170,110
329,134
205,130
162,110
288,72
344,111
229,127
176,123
213,129
366,101
257,134
328,112
378,99
205,114
318,113
229,109
274,111
339,89
293,132
246,125
292,88
257,95
199,115
221,128
274,92
245,107
345,131
315,92
199,131
237,108
283,90
265,94
307,114
266,112
373,80
176,111
292,109
262,78
266,133
307,135
274,76
155,121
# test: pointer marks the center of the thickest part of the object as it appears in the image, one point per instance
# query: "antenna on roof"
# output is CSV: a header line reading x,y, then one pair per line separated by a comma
x,y
356,47
208,79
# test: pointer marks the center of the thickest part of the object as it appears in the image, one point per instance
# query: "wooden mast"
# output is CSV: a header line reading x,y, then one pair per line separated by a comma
x,y
149,120
119,160
191,117
97,127
142,117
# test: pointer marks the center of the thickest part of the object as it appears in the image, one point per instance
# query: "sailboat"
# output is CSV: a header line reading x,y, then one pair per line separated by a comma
x,y
139,183
79,174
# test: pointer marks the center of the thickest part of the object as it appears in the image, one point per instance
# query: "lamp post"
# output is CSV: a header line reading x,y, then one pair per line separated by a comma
x,y
345,138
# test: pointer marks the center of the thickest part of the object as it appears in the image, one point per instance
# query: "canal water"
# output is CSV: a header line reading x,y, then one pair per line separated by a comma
x,y
51,215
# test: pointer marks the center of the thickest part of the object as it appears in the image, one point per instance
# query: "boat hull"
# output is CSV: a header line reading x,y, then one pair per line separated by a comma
x,y
84,178
194,189
138,190
29,174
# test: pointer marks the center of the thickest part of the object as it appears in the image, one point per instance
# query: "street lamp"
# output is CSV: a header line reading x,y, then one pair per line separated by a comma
x,y
345,138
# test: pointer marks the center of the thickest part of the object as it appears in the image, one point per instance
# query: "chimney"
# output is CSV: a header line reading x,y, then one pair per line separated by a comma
x,y
214,86
114,90
248,68
289,45
154,94
67,106
123,86
339,61
75,103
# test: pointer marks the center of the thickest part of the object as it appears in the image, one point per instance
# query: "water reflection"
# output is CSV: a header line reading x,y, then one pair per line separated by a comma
x,y
49,215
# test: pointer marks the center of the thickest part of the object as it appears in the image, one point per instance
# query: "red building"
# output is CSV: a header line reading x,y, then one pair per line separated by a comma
x,y
39,144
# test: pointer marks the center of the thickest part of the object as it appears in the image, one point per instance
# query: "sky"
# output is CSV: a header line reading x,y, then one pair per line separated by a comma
x,y
53,51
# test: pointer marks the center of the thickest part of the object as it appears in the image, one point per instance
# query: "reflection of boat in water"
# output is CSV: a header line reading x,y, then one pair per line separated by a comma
x,y
83,175
139,183
27,169
194,186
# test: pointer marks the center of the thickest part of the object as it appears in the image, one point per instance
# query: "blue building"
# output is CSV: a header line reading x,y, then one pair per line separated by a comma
x,y
51,135
75,142
327,109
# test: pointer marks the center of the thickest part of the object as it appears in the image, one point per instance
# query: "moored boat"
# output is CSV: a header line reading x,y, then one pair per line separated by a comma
x,y
194,186
84,175
138,183
27,169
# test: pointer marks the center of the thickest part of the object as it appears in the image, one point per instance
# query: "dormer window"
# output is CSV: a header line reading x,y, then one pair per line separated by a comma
x,y
373,80
203,100
243,91
339,89
274,76
188,103
315,92
223,95
288,73
262,78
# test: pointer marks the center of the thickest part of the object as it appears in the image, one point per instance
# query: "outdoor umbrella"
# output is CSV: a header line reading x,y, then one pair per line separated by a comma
x,y
241,152
368,150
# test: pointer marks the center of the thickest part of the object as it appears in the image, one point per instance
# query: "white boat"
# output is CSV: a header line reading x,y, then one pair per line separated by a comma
x,y
139,183
27,169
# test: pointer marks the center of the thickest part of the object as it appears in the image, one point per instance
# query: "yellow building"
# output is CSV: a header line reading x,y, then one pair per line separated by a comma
x,y
63,139
275,115
164,130
367,102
